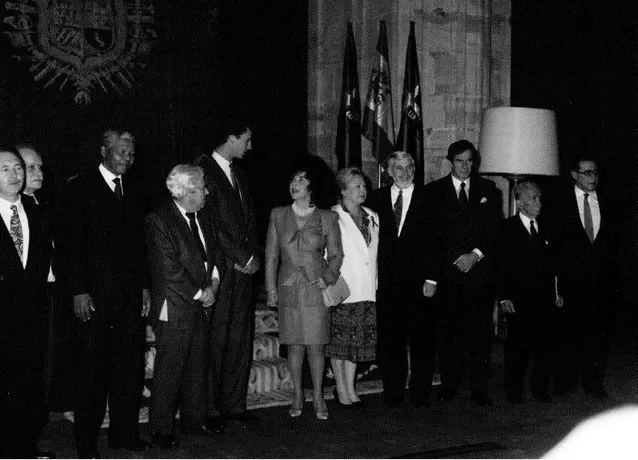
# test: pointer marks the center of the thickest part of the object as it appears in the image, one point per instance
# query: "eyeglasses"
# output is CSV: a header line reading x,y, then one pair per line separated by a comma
x,y
589,173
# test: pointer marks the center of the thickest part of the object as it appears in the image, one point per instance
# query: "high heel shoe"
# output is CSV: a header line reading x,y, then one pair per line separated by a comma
x,y
294,412
335,393
322,414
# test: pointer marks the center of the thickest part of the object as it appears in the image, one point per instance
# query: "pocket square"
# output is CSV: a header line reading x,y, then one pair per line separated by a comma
x,y
483,200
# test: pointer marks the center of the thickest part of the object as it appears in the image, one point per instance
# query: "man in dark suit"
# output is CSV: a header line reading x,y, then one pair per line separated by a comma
x,y
529,297
467,209
105,257
230,206
185,279
24,264
586,237
408,270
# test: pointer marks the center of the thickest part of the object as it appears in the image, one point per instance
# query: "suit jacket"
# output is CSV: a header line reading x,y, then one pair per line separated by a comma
x,y
413,256
586,269
462,231
23,313
235,217
177,269
359,267
295,257
527,270
103,242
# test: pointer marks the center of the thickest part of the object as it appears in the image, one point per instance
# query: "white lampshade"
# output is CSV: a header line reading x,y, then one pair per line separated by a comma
x,y
519,141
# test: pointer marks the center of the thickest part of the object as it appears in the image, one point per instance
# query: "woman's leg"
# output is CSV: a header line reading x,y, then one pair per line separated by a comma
x,y
295,360
316,358
350,374
341,379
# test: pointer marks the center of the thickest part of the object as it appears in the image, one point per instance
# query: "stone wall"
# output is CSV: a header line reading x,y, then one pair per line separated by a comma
x,y
464,59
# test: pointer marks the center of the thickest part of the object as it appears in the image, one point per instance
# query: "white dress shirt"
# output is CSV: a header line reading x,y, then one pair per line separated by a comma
x,y
224,164
108,178
526,222
6,212
407,199
457,188
215,275
594,207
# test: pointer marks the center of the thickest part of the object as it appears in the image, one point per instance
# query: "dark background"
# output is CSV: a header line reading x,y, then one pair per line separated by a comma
x,y
575,57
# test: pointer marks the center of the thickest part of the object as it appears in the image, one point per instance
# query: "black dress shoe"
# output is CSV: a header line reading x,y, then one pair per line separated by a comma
x,y
92,453
390,402
245,418
164,441
559,391
216,424
445,395
482,400
514,398
42,454
543,397
199,430
420,402
137,445
598,393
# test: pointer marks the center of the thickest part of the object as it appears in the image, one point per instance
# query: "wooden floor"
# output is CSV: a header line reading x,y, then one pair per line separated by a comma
x,y
445,430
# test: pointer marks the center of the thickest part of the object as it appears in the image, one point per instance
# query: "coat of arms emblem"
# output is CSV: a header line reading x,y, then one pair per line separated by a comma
x,y
90,44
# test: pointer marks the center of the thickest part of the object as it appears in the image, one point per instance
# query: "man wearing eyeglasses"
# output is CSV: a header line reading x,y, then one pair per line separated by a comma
x,y
585,236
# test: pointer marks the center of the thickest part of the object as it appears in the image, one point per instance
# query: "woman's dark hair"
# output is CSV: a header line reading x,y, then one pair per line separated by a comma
x,y
321,180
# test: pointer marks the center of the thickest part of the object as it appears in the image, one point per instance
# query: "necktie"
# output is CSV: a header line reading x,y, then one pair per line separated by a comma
x,y
233,180
195,230
532,230
398,209
589,223
463,196
15,228
118,189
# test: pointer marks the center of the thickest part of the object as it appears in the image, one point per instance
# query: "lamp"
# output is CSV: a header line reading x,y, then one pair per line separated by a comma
x,y
515,142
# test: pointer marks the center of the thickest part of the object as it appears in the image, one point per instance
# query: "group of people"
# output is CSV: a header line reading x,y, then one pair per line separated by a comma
x,y
424,266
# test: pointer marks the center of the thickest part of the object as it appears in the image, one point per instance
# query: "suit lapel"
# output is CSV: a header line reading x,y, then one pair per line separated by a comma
x,y
450,193
474,198
186,235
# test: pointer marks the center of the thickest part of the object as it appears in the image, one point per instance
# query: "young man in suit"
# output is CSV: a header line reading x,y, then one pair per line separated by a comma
x,y
408,271
529,298
231,208
467,210
185,279
24,264
586,236
105,261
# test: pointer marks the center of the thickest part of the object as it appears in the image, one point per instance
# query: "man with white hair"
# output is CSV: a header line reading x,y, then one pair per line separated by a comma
x,y
183,252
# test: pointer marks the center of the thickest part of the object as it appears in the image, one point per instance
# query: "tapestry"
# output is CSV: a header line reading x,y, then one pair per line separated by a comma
x,y
89,44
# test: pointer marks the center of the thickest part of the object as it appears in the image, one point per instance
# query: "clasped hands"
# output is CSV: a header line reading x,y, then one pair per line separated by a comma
x,y
507,306
465,262
272,298
250,268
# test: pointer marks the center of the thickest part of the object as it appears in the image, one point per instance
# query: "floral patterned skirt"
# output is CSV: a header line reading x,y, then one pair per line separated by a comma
x,y
353,332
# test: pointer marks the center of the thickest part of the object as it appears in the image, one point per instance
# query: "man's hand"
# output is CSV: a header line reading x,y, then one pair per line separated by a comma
x,y
252,266
507,307
429,289
83,306
272,299
465,262
560,301
320,283
146,302
208,297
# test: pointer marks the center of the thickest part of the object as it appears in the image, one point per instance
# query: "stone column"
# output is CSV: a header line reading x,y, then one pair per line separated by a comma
x,y
464,60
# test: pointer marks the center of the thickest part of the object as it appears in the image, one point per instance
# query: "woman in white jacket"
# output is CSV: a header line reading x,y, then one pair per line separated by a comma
x,y
353,323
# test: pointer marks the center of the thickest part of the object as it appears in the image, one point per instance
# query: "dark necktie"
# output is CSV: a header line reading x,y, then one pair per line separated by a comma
x,y
532,230
195,230
233,181
15,228
463,196
118,189
589,223
398,209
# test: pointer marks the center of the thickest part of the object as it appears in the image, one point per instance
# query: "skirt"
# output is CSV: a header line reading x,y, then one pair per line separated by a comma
x,y
353,332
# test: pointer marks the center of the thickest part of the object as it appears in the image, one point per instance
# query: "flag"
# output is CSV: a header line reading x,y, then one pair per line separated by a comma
x,y
348,149
410,137
378,117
